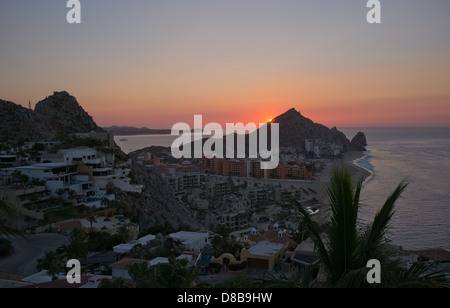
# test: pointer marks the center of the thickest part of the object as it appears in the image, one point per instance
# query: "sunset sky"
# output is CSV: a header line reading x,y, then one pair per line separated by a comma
x,y
157,62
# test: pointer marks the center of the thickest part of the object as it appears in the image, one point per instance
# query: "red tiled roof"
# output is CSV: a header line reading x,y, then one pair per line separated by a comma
x,y
74,224
8,276
58,284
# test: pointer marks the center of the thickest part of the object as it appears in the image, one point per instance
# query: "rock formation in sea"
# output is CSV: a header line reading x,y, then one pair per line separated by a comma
x,y
359,142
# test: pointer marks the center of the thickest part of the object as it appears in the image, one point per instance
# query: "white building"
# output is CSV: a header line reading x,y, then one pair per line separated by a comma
x,y
158,260
118,177
56,175
191,240
88,156
125,248
309,145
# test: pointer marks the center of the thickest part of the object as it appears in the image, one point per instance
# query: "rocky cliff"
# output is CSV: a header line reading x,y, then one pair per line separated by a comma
x,y
55,115
157,203
62,113
18,124
295,129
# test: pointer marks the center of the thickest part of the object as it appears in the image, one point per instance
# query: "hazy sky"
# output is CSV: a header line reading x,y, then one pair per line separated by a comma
x,y
157,62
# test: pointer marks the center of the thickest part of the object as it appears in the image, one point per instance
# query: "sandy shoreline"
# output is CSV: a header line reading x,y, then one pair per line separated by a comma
x,y
356,171
324,177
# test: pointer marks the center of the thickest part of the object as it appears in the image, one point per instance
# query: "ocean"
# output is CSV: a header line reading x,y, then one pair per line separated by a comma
x,y
420,155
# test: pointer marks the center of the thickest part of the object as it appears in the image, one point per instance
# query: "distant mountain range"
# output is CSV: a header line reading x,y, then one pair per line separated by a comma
x,y
294,130
130,130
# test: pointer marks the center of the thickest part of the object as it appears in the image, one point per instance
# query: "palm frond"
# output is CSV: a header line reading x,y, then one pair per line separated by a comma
x,y
422,275
375,235
344,204
355,278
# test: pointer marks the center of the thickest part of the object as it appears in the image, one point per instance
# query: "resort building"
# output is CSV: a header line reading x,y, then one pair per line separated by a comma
x,y
263,255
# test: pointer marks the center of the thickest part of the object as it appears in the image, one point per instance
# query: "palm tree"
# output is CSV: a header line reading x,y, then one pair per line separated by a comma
x,y
119,283
60,192
345,246
7,211
124,234
92,219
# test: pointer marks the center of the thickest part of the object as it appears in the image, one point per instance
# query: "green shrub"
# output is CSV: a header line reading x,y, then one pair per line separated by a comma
x,y
6,248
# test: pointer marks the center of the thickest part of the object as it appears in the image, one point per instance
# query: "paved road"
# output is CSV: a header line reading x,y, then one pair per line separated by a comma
x,y
28,251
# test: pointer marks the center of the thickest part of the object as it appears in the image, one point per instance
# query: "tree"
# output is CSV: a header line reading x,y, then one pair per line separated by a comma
x,y
101,241
19,177
119,283
6,248
92,219
53,263
123,233
175,274
8,211
222,242
77,247
60,192
71,194
345,247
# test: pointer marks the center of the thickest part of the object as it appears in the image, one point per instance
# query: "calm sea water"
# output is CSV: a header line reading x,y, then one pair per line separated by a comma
x,y
420,155
132,143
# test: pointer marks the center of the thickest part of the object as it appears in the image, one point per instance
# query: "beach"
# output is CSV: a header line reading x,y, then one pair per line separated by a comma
x,y
356,171
323,178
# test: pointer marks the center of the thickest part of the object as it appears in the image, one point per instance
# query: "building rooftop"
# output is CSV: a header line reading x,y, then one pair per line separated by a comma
x,y
58,284
305,259
187,236
265,248
158,260
273,236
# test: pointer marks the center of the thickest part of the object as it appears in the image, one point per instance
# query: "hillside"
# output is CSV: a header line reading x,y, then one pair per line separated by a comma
x,y
61,115
55,115
295,129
